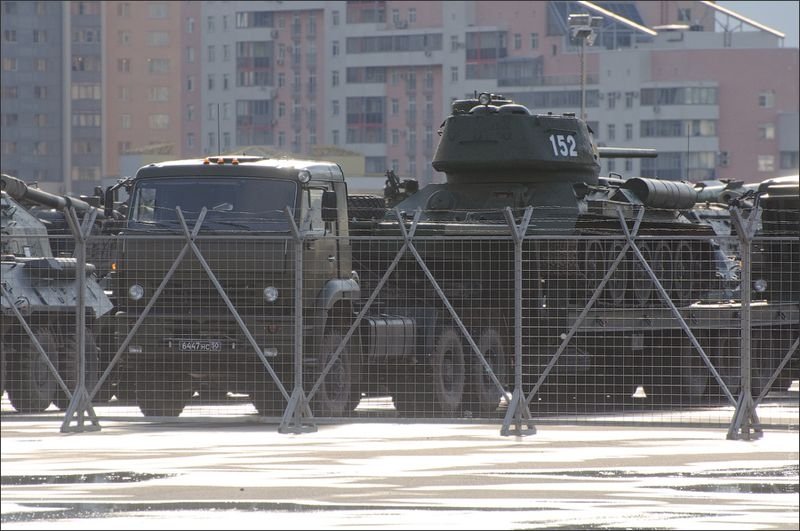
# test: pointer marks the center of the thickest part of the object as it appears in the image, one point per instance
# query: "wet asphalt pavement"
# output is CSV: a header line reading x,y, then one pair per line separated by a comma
x,y
389,475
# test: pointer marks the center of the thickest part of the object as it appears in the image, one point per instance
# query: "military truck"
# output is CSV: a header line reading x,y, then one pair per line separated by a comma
x,y
43,290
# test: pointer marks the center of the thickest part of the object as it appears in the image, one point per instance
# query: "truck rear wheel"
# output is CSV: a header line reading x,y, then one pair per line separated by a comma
x,y
30,384
449,371
484,396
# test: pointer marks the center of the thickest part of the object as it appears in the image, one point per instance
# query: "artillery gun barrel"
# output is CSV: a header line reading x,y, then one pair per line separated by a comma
x,y
626,153
20,191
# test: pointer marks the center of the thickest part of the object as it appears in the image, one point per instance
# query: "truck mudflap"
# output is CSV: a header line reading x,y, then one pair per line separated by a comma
x,y
389,336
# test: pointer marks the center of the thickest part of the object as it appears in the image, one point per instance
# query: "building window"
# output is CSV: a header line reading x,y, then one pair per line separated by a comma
x,y
9,64
226,52
395,106
684,14
612,100
395,137
39,36
335,137
157,10
629,99
158,38
190,54
124,9
517,41
124,38
123,65
125,121
40,93
395,165
335,78
628,132
611,132
189,140
454,74
766,163
335,17
190,113
158,66
225,81
158,94
211,54
534,41
766,99
124,94
190,25
226,140
628,165
10,36
335,48
40,148
212,140
281,139
190,84
789,160
210,24
40,65
335,107
766,131
40,120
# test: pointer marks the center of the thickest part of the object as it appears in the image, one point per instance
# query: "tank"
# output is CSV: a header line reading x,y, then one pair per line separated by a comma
x,y
44,289
498,155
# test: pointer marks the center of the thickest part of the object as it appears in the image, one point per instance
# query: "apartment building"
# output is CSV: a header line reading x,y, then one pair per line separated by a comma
x,y
377,77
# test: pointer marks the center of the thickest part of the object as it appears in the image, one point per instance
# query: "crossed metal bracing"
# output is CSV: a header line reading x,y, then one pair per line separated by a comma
x,y
298,416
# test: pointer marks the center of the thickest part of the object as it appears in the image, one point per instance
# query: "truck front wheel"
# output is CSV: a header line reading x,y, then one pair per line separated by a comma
x,y
336,395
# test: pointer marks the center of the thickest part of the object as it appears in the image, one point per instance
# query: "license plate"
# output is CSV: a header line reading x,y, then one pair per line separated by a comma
x,y
200,345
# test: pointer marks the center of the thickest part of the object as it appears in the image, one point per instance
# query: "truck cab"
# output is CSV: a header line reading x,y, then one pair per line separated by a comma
x,y
210,253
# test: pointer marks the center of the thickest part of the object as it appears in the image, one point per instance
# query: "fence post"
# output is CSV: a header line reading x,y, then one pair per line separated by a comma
x,y
518,407
80,402
297,410
745,424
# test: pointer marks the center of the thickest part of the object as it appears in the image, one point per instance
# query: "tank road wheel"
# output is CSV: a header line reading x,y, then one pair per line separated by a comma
x,y
617,285
449,371
162,388
337,396
484,396
30,384
595,266
661,265
685,274
641,284
68,365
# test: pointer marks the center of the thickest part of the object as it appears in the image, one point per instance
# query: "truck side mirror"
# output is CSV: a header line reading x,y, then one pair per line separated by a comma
x,y
329,211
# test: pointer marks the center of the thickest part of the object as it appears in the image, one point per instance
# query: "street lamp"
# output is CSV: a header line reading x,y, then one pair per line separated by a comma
x,y
581,27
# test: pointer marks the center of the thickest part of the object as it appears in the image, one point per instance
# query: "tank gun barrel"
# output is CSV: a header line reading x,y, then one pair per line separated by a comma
x,y
20,191
626,153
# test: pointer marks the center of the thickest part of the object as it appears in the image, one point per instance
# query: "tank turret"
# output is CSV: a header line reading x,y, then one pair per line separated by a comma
x,y
491,138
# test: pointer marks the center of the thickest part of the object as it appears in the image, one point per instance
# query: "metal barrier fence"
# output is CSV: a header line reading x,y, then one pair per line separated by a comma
x,y
503,316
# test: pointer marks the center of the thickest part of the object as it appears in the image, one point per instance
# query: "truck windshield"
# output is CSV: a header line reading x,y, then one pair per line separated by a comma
x,y
231,203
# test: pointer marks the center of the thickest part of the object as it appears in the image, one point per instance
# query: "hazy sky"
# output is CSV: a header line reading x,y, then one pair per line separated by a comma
x,y
782,16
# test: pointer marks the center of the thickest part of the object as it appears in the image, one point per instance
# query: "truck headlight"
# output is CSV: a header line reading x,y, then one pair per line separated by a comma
x,y
136,292
270,294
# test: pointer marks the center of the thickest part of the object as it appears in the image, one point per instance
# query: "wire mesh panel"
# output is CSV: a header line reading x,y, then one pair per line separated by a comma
x,y
627,317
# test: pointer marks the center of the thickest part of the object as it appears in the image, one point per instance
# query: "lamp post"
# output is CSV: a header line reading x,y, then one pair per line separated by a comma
x,y
581,27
